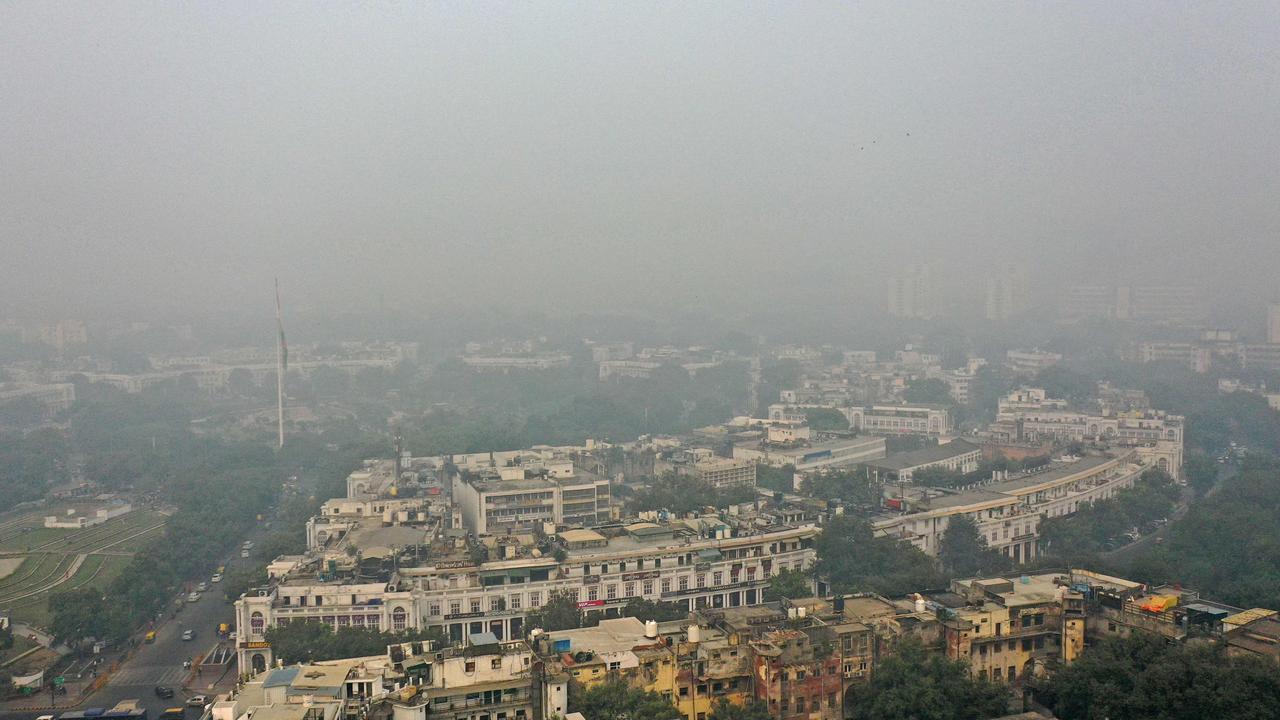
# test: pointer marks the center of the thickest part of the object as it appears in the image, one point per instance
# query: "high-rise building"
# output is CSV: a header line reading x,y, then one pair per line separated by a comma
x,y
1006,292
1273,323
911,293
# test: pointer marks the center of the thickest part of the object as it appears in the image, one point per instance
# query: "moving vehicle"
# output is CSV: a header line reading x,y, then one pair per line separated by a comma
x,y
202,587
164,691
193,597
244,553
150,637
197,701
217,578
188,634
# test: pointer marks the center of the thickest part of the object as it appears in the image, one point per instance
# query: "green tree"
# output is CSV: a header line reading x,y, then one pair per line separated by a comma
x,y
616,699
1201,472
654,610
963,552
912,685
826,420
559,612
853,560
754,710
313,641
789,584
932,390
775,478
1142,677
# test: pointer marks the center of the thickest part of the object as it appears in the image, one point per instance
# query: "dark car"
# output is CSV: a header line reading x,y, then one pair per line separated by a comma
x,y
164,692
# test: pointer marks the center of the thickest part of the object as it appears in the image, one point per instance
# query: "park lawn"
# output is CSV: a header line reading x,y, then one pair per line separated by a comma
x,y
97,571
38,535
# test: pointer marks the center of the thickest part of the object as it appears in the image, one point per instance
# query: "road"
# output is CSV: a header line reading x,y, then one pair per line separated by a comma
x,y
160,663
1126,552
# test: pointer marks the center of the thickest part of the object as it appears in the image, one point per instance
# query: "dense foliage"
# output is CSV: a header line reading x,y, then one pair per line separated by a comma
x,y
852,560
788,584
31,464
963,551
1227,545
912,684
681,494
617,699
1105,524
312,641
1144,678
754,710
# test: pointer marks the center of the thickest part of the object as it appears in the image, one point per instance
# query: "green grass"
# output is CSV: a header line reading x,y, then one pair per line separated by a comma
x,y
96,571
35,537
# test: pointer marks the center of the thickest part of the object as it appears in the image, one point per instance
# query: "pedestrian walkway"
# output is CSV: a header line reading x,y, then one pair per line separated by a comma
x,y
132,674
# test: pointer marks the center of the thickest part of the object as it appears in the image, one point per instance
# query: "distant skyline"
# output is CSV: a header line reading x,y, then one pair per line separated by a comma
x,y
160,158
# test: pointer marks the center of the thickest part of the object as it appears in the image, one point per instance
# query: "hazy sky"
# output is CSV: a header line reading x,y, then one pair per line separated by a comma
x,y
607,155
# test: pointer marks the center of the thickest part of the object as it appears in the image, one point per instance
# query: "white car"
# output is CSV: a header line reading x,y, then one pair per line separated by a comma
x,y
188,634
193,597
244,553
202,587
217,578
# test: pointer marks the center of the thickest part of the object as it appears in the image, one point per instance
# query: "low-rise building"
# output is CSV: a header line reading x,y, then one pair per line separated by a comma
x,y
957,455
1004,628
1008,512
48,400
522,497
902,419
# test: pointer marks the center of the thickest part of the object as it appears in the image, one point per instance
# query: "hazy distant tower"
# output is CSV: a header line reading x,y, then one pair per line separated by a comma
x,y
911,293
1273,323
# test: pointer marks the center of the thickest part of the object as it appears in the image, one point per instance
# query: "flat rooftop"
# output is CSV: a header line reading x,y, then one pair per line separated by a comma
x,y
1057,471
610,636
924,456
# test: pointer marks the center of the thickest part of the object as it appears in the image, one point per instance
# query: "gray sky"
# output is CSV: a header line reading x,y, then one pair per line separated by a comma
x,y
609,155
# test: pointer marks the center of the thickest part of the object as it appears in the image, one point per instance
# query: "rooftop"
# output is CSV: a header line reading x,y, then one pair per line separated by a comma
x,y
924,456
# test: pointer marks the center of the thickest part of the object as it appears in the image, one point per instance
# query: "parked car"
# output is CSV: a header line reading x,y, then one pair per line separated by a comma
x,y
193,597
197,701
244,553
202,587
188,634
164,691
217,578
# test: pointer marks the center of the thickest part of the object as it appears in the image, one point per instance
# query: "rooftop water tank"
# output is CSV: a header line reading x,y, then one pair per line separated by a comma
x,y
651,629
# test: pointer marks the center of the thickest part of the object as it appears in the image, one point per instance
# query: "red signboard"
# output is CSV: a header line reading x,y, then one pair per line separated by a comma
x,y
590,604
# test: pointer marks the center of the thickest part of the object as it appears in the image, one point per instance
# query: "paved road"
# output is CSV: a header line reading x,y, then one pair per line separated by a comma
x,y
160,663
1126,552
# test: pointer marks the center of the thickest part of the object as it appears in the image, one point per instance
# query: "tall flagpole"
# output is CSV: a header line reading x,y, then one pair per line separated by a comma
x,y
279,369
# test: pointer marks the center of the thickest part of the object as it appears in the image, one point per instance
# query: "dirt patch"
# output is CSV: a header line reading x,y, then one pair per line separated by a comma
x,y
9,565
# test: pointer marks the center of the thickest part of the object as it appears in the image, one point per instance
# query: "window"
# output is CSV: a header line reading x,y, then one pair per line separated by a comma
x,y
684,582
702,580
1012,675
629,590
455,608
666,585
611,591
495,664
592,594
535,599
799,705
373,621
434,609
495,604
475,605
470,667
717,578
398,619
648,587
514,602
257,622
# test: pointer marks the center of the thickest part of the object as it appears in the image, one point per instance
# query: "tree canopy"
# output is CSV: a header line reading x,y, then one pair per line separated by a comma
x,y
559,612
963,552
852,560
754,710
615,699
913,685
789,584
1141,677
